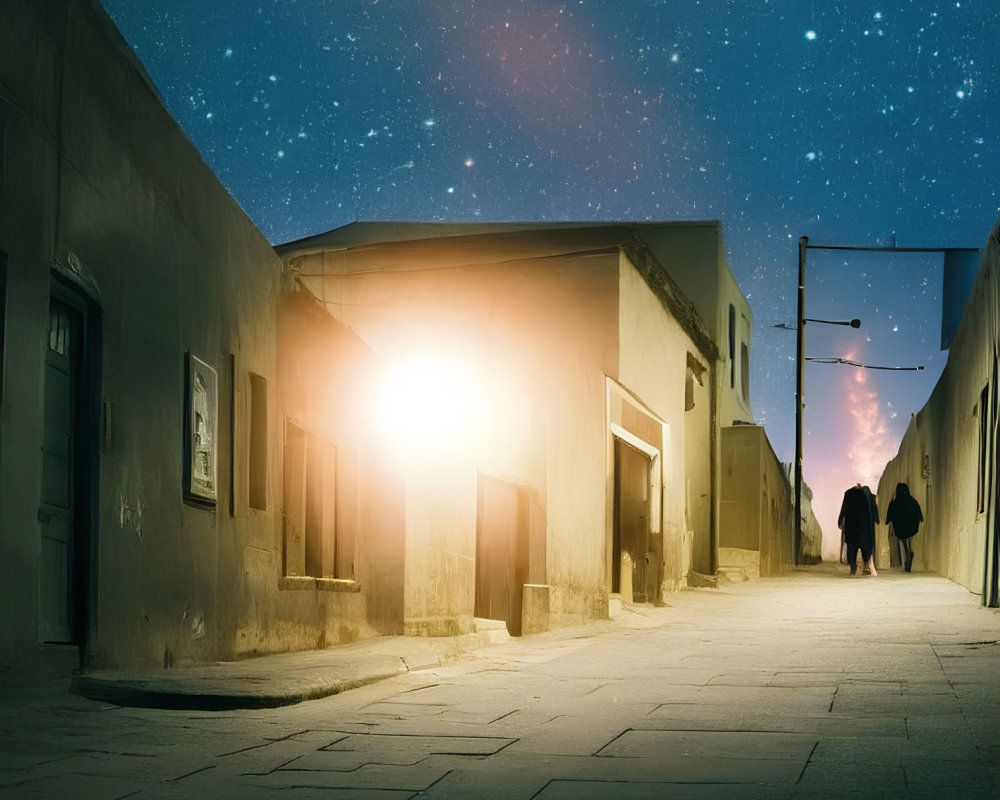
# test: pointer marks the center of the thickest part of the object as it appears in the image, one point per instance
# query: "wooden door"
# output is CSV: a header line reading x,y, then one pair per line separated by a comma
x,y
631,523
501,552
62,554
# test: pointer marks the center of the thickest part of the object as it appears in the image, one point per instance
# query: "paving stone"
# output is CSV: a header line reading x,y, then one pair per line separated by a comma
x,y
637,790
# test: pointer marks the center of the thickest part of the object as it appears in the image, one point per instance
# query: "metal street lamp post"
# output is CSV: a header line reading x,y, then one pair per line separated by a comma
x,y
800,329
800,359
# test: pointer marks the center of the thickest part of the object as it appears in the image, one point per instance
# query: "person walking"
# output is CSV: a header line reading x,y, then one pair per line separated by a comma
x,y
858,515
905,516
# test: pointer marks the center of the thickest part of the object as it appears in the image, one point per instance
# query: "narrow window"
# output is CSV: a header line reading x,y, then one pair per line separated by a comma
x,y
745,373
314,508
293,514
310,508
235,407
745,360
257,451
321,508
984,397
3,317
732,346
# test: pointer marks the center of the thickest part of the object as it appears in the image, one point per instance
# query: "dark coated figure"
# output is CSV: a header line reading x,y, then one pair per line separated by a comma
x,y
905,516
858,515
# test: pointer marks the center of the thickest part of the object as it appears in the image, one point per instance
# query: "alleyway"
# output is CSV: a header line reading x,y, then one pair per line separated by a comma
x,y
815,685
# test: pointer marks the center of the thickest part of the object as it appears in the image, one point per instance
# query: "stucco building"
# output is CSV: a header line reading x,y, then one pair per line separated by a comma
x,y
948,456
587,373
141,421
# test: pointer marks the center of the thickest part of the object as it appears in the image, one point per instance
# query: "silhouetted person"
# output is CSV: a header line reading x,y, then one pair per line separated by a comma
x,y
858,515
905,516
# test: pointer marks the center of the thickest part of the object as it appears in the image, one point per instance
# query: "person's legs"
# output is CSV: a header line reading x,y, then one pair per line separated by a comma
x,y
852,557
866,558
908,551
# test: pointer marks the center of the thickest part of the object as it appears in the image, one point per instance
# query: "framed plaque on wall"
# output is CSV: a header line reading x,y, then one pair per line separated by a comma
x,y
201,427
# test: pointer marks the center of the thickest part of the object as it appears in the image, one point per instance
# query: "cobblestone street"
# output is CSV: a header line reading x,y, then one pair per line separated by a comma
x,y
815,685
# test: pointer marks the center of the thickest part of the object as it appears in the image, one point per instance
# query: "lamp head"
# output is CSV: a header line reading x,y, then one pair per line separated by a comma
x,y
855,323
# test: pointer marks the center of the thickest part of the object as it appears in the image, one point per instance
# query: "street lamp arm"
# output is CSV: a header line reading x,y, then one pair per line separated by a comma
x,y
893,249
850,363
853,323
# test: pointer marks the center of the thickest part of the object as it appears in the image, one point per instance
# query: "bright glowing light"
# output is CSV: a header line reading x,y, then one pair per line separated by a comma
x,y
429,405
811,36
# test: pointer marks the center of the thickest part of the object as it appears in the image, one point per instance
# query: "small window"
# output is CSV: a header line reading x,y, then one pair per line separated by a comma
x,y
310,546
983,410
745,360
745,373
732,346
257,450
60,322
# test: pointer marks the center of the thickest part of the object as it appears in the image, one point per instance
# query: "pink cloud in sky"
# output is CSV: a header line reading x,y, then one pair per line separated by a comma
x,y
856,451
871,446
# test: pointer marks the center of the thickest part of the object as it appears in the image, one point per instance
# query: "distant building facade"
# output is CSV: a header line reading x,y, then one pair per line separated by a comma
x,y
596,464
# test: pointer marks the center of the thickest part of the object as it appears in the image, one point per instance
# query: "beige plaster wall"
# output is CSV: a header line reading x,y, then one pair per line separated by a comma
x,y
652,365
757,513
693,254
325,374
939,455
701,498
440,549
536,336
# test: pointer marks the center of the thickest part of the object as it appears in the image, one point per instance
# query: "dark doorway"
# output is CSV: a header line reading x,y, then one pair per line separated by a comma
x,y
69,468
631,534
501,551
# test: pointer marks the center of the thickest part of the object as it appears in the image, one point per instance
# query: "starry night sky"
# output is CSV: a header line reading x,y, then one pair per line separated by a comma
x,y
850,122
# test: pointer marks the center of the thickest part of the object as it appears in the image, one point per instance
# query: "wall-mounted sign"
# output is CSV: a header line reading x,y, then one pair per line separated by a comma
x,y
201,431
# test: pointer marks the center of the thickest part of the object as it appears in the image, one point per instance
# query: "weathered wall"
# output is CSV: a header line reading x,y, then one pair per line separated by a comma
x,y
324,377
653,357
536,336
757,514
939,457
92,165
701,499
692,253
811,546
540,319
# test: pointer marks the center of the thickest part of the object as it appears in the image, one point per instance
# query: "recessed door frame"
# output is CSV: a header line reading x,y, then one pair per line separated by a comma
x,y
83,468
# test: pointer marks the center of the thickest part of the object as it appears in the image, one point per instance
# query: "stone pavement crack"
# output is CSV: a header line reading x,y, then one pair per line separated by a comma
x,y
806,765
